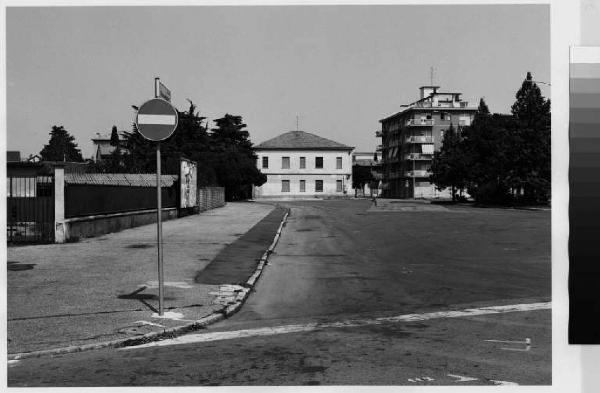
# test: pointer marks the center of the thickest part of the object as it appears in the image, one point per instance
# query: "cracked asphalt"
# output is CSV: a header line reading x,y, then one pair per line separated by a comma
x,y
338,261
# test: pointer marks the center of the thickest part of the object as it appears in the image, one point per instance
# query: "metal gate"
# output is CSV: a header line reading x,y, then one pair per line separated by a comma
x,y
30,209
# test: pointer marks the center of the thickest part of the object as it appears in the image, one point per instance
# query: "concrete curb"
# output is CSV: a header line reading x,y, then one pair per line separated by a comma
x,y
216,316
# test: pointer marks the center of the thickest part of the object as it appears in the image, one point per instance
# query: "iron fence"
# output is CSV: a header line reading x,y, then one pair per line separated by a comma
x,y
30,209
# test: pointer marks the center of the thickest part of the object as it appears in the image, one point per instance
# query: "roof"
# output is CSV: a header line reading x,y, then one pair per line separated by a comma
x,y
300,140
366,163
119,179
429,110
13,156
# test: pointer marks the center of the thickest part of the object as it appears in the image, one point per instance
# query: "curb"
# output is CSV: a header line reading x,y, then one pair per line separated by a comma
x,y
216,316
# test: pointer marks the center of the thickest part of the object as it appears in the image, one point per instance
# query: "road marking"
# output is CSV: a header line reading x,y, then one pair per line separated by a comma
x,y
141,323
462,378
504,383
420,379
176,284
286,329
527,344
169,315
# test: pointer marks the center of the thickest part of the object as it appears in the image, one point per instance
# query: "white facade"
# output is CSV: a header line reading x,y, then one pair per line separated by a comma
x,y
295,181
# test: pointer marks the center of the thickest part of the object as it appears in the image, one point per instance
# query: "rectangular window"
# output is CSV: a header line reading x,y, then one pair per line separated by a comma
x,y
338,163
302,185
319,162
285,186
318,185
285,163
302,162
338,186
265,162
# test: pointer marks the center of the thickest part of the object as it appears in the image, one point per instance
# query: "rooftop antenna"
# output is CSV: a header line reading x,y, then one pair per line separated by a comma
x,y
431,76
297,127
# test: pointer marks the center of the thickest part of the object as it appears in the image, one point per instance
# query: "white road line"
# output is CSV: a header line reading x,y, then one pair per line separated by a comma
x,y
285,329
504,383
461,378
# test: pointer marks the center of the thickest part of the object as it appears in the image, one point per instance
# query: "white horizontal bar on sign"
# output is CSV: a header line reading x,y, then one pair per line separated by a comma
x,y
156,119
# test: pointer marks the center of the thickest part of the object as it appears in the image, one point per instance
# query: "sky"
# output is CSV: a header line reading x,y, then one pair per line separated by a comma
x,y
340,69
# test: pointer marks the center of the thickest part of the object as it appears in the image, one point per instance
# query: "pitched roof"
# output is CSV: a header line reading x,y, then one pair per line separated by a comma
x,y
119,179
300,140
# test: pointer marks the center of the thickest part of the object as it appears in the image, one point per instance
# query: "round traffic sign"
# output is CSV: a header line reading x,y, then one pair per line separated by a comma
x,y
156,119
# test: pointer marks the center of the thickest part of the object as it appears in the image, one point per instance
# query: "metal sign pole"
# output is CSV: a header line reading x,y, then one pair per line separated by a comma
x,y
159,233
159,219
156,120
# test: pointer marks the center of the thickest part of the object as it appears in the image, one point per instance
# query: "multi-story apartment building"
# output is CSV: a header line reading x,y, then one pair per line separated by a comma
x,y
410,137
301,164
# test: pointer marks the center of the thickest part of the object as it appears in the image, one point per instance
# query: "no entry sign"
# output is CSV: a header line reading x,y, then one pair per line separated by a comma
x,y
156,119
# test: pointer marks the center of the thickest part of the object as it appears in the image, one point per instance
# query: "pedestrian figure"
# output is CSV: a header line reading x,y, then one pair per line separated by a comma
x,y
374,201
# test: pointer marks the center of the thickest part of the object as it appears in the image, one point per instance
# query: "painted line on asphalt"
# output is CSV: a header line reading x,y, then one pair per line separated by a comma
x,y
300,328
462,378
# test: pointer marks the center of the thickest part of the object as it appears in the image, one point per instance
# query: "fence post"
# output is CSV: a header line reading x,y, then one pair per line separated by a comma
x,y
60,230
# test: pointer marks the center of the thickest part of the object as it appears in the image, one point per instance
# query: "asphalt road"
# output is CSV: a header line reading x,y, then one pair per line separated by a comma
x,y
331,306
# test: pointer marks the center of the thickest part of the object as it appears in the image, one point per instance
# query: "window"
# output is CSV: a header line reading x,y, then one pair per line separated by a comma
x,y
302,162
318,185
338,163
285,186
265,162
442,134
285,163
319,163
338,186
302,185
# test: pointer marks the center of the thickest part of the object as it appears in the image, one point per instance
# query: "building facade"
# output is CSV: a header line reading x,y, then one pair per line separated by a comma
x,y
102,146
410,137
300,164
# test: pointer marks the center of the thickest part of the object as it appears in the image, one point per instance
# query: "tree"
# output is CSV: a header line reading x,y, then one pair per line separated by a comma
x,y
532,172
361,176
189,140
114,137
225,156
449,167
234,158
61,147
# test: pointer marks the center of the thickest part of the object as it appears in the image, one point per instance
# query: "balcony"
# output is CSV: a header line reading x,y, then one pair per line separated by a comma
x,y
420,122
378,134
419,139
417,174
379,148
418,156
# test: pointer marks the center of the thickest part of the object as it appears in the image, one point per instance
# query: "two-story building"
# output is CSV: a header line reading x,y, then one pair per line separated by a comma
x,y
300,164
102,146
410,137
